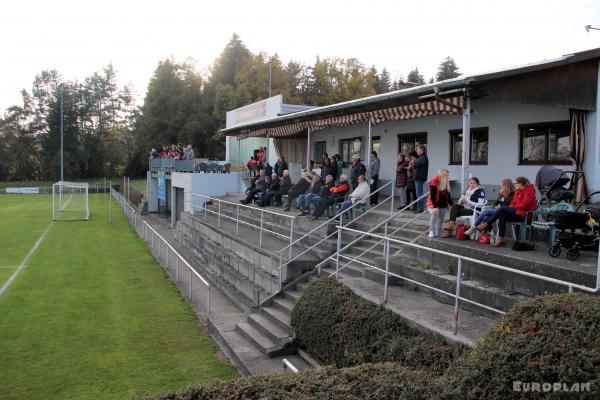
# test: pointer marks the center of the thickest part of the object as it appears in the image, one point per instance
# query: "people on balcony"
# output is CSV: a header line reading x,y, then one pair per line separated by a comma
x,y
359,195
472,201
299,188
439,199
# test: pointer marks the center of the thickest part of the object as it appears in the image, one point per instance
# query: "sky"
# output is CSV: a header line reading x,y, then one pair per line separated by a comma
x,y
78,38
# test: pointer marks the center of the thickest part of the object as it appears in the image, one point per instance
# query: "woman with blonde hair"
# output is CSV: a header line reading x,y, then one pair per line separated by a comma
x,y
439,199
505,195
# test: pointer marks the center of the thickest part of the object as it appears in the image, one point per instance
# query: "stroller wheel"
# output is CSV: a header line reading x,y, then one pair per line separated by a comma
x,y
572,254
554,251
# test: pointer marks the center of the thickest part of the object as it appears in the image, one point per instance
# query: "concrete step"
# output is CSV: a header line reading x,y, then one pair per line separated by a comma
x,y
283,304
293,295
258,339
269,329
278,317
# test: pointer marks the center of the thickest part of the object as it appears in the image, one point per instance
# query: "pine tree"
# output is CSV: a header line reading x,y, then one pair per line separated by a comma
x,y
447,70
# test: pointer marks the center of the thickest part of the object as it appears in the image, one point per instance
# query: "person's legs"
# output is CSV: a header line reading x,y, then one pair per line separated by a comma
x,y
484,216
402,191
299,201
508,215
345,205
375,197
454,211
419,191
440,221
432,222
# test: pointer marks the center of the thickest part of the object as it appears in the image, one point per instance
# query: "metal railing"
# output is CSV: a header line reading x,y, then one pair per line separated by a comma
x,y
286,365
309,234
158,242
460,259
207,201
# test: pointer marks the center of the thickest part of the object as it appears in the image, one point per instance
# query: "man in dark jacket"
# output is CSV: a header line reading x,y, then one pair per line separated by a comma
x,y
357,170
280,166
313,191
273,189
336,194
267,167
299,188
260,186
420,172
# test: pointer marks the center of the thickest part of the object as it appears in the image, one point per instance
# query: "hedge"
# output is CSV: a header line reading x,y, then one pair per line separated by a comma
x,y
549,339
384,381
341,328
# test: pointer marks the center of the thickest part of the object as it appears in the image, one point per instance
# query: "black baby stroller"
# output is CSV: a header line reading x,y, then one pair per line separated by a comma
x,y
551,182
567,222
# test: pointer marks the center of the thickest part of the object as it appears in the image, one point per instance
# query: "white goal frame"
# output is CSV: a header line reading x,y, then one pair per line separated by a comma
x,y
62,213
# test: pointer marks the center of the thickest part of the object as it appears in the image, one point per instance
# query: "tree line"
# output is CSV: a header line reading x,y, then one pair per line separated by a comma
x,y
106,134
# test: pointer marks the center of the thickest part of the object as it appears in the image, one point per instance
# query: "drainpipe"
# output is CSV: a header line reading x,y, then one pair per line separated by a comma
x,y
308,151
466,141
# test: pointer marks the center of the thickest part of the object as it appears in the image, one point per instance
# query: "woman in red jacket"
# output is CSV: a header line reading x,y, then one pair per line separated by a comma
x,y
523,201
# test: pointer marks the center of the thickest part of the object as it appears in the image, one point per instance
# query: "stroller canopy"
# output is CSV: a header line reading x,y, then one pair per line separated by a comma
x,y
547,175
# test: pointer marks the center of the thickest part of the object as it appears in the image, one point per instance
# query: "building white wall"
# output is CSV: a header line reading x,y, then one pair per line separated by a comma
x,y
501,118
591,165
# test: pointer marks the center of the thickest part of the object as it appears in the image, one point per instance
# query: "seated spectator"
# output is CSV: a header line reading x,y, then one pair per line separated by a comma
x,y
359,195
272,190
299,188
523,201
286,185
260,185
323,195
337,194
303,202
189,152
280,166
473,199
439,199
507,191
267,167
165,152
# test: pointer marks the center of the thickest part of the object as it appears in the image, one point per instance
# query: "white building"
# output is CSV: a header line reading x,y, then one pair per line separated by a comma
x,y
517,120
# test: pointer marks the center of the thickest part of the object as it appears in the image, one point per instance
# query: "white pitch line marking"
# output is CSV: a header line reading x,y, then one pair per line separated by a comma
x,y
24,262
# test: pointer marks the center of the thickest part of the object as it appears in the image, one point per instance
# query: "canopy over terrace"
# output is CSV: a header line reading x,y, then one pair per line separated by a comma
x,y
569,81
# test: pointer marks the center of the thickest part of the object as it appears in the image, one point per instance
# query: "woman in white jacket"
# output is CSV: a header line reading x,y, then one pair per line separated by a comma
x,y
473,199
359,195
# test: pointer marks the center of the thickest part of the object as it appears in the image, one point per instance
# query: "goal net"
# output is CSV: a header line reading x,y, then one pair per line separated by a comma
x,y
70,201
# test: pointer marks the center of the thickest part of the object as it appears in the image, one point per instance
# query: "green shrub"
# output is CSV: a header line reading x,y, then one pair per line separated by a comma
x,y
553,338
368,381
339,327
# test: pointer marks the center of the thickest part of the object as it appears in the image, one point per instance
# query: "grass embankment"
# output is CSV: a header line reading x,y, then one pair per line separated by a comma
x,y
92,316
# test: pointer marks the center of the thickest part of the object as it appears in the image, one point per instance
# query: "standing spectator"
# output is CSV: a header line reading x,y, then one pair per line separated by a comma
x,y
411,194
165,152
268,169
280,166
374,177
340,165
420,171
439,199
251,164
189,152
260,155
299,188
402,178
357,170
324,157
359,195
337,193
326,169
153,153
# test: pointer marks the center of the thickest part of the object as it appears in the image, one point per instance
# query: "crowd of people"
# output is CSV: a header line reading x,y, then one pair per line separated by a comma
x,y
176,151
331,186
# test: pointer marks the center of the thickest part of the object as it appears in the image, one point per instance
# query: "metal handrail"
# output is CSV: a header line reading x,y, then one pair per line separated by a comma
x,y
124,203
237,217
288,365
460,258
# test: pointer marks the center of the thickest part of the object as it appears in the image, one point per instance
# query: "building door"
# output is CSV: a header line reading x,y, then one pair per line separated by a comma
x,y
409,142
320,148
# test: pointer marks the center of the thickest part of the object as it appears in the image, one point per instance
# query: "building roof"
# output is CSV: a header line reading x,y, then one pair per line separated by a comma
x,y
405,96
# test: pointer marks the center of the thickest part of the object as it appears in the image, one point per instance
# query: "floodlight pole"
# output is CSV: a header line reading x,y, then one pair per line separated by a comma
x,y
62,177
110,203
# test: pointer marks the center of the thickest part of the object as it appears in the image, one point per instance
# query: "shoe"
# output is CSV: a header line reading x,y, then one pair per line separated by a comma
x,y
302,213
500,241
431,234
446,233
470,231
286,209
482,227
243,202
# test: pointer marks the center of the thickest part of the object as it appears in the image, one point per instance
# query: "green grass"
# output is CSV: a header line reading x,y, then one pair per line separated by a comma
x,y
92,316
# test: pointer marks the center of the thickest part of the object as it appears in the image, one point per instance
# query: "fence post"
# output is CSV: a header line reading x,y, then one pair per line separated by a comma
x,y
191,276
387,268
177,269
237,220
208,304
167,256
152,240
204,205
261,227
385,244
219,216
110,205
291,239
456,301
280,272
337,253
392,205
159,243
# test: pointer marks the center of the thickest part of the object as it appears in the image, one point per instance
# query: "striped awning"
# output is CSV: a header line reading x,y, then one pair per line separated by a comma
x,y
451,106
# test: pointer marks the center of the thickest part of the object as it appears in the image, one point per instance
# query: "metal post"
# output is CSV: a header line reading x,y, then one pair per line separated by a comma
x,y
385,244
369,148
598,270
219,216
261,227
159,243
62,153
392,205
204,205
104,190
291,239
190,283
337,253
53,206
456,301
308,151
237,220
177,269
466,141
110,204
152,240
145,232
208,303
387,269
128,201
280,272
167,256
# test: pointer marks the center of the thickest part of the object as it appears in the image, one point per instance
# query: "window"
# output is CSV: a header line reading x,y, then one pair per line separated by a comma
x,y
320,148
349,147
546,143
376,144
478,148
409,143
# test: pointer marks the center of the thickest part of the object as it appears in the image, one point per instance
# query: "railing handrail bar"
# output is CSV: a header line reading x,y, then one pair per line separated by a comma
x,y
329,220
474,260
241,221
245,206
394,215
289,365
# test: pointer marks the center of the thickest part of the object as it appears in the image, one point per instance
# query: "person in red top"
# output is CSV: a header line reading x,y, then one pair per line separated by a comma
x,y
439,199
260,155
523,201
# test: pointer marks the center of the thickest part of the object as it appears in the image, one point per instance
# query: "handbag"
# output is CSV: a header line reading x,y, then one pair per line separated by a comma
x,y
460,232
522,246
484,238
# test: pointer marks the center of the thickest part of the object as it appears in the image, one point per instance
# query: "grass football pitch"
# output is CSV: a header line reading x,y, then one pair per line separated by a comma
x,y
91,315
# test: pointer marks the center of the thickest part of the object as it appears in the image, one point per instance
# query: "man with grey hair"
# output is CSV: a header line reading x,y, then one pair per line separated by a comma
x,y
357,170
337,194
299,188
271,191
